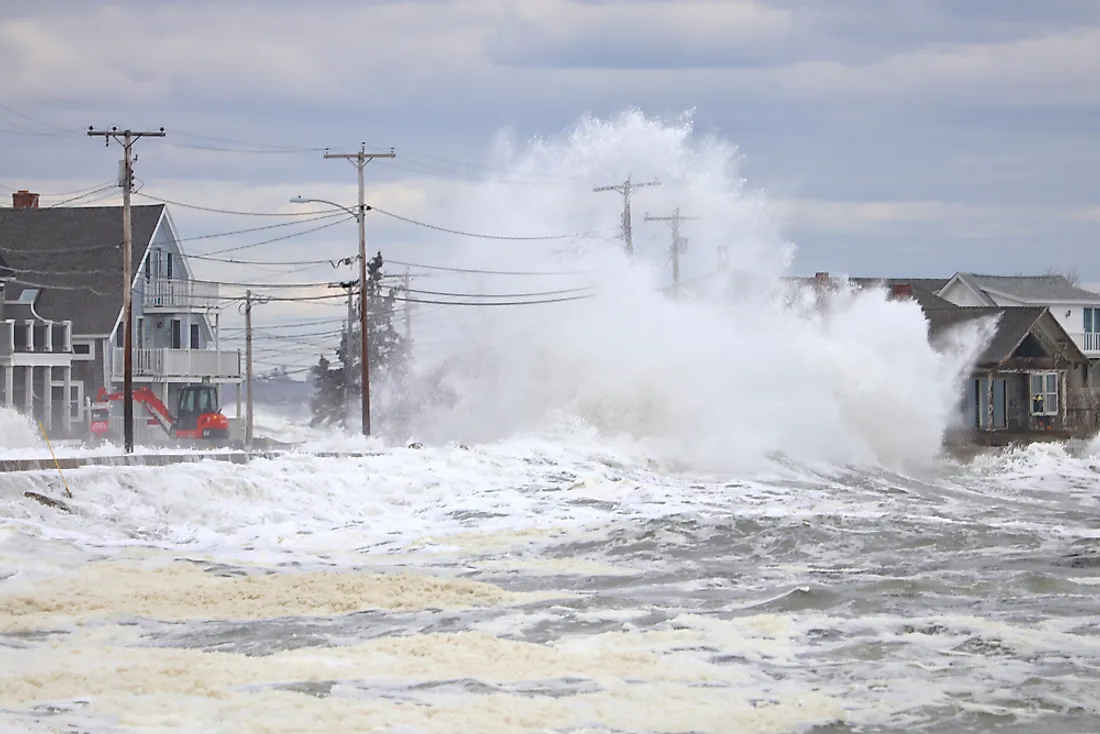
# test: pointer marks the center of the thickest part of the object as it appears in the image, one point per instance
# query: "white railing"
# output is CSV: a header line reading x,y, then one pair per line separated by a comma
x,y
1088,341
179,295
34,336
179,363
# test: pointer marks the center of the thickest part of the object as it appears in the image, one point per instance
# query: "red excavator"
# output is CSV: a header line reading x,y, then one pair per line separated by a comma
x,y
197,418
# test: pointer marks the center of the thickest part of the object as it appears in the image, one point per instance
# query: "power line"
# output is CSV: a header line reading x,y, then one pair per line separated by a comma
x,y
240,214
36,121
487,272
492,303
481,236
498,295
62,251
255,229
100,190
277,239
313,322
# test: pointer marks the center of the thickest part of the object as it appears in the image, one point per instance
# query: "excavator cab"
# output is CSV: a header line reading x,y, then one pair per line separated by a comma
x,y
198,414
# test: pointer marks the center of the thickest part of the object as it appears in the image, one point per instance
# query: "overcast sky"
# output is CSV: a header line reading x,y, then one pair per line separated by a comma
x,y
894,137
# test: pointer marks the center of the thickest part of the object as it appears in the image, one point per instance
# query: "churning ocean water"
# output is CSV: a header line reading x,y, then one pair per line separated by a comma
x,y
565,585
630,515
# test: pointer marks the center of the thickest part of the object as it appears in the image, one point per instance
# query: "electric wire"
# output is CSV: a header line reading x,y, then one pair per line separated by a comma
x,y
461,233
238,213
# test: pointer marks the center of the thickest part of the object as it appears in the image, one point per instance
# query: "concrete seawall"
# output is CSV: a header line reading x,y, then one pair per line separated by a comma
x,y
232,457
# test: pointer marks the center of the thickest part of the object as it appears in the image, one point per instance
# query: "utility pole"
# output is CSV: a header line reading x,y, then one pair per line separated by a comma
x,y
408,307
679,245
249,302
627,189
248,367
360,160
349,362
127,183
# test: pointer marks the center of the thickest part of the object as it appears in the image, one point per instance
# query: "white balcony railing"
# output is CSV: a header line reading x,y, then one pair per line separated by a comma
x,y
1088,341
35,336
179,295
174,364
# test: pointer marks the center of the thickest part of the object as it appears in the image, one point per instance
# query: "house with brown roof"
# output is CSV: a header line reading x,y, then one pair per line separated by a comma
x,y
68,261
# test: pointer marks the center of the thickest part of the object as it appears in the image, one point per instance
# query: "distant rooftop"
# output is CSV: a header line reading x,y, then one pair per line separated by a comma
x,y
1029,287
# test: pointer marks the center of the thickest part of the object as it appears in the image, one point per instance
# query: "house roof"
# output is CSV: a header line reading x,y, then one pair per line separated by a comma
x,y
1014,324
73,255
1041,288
924,289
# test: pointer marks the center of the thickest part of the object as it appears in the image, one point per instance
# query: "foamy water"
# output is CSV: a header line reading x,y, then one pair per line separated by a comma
x,y
702,525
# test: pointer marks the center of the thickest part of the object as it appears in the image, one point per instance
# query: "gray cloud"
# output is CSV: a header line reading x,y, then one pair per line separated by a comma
x,y
908,137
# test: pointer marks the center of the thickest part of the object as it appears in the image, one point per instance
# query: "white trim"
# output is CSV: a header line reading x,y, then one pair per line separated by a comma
x,y
81,356
37,359
139,268
1057,392
974,290
1044,301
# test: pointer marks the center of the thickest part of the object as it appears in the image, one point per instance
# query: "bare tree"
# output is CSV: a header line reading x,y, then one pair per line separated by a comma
x,y
1072,276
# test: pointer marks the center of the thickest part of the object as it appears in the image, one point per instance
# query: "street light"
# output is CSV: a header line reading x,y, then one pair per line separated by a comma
x,y
363,341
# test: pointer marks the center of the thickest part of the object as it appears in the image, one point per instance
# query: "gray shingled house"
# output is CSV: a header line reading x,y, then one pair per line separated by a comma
x,y
35,358
71,258
1031,377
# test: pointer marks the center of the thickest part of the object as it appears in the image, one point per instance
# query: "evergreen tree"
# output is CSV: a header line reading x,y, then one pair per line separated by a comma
x,y
329,404
388,353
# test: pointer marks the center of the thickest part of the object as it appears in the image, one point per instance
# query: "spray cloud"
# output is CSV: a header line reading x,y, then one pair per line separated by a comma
x,y
747,368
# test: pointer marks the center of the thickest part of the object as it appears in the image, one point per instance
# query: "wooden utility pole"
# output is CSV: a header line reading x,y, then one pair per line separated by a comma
x,y
349,362
246,309
126,181
627,189
248,367
360,160
679,245
408,306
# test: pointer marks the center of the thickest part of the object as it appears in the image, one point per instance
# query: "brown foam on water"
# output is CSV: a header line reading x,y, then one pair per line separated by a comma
x,y
181,591
670,688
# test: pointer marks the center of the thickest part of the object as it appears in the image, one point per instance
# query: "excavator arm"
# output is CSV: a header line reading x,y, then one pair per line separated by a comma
x,y
149,399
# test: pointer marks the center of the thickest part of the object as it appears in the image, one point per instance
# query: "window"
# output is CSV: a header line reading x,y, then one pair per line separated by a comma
x,y
76,401
1044,393
1092,320
194,336
141,333
177,335
84,351
168,265
119,337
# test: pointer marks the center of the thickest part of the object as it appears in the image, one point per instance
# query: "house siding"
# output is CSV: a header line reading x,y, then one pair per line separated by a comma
x,y
164,259
959,294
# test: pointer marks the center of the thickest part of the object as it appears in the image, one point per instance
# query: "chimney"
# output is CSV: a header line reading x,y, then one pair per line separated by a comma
x,y
901,290
823,277
24,199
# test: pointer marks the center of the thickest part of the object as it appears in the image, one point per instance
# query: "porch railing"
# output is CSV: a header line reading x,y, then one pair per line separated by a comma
x,y
179,295
180,363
